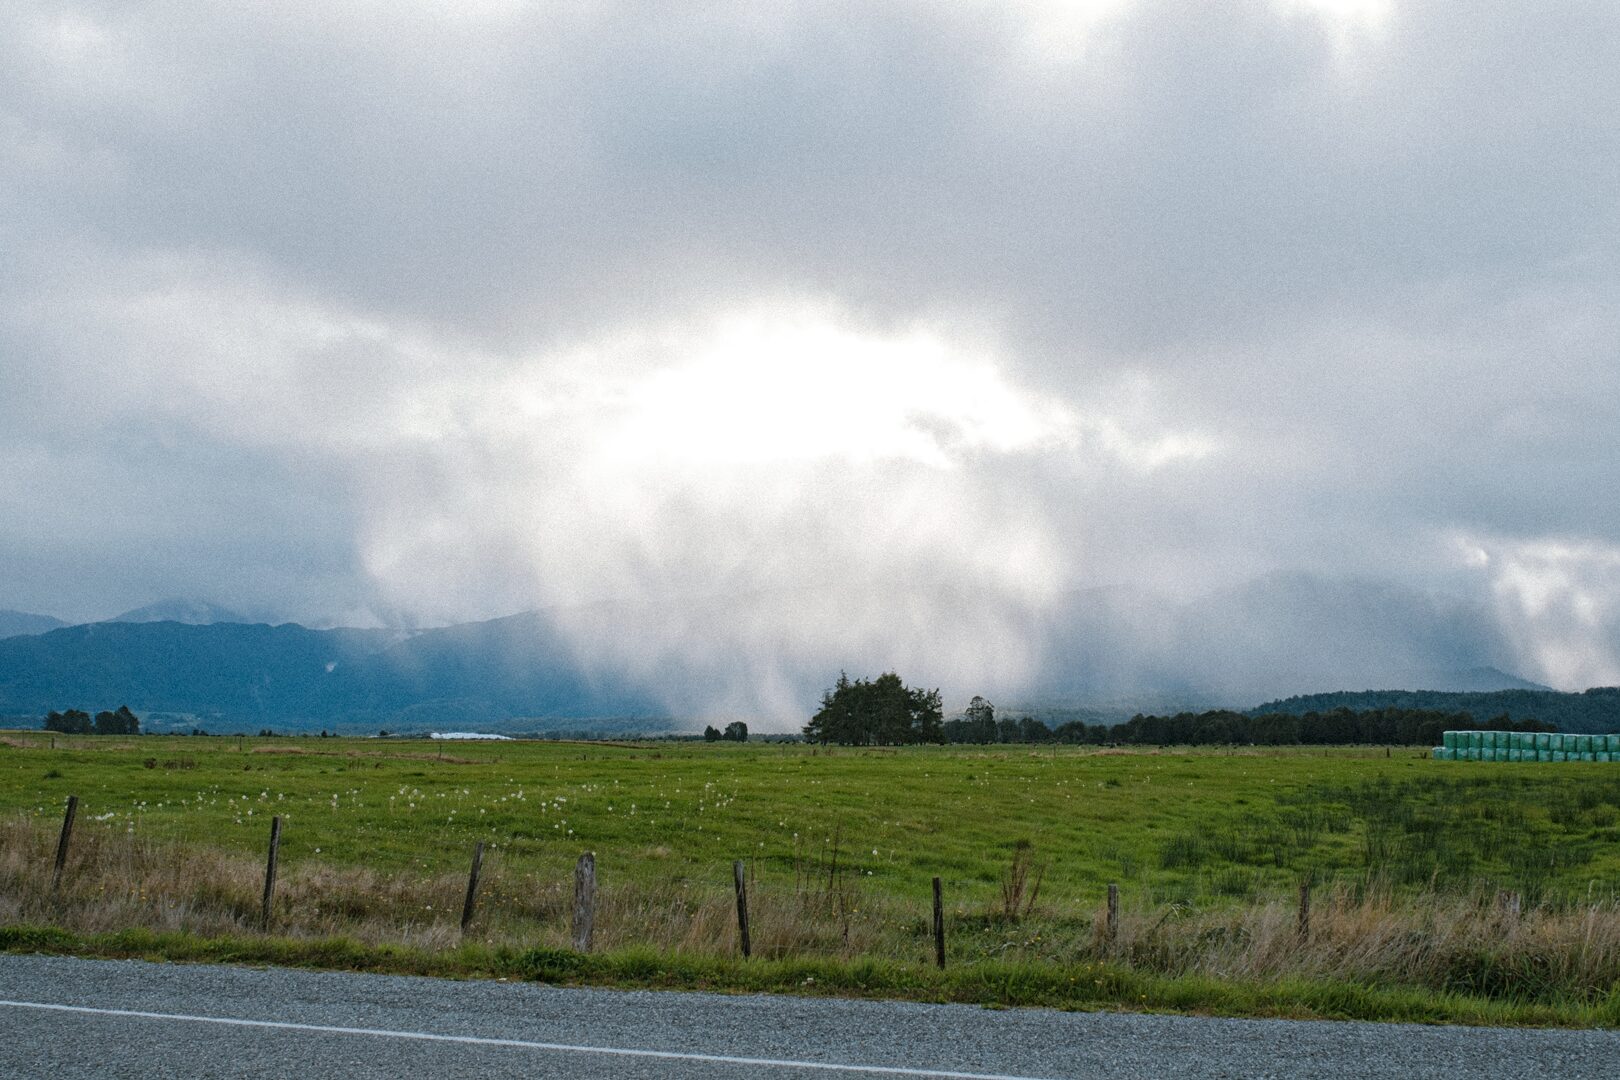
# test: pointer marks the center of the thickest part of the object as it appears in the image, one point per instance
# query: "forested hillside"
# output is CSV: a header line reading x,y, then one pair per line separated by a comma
x,y
1595,710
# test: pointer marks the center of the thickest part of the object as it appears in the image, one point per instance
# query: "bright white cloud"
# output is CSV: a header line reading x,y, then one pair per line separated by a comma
x,y
1559,601
799,388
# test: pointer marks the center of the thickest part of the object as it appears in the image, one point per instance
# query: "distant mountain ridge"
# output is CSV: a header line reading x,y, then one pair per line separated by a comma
x,y
14,623
232,676
1591,711
182,610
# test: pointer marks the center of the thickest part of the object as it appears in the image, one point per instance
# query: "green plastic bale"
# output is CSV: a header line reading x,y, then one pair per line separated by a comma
x,y
1439,753
1556,744
1476,741
1613,742
1543,741
1448,740
1589,756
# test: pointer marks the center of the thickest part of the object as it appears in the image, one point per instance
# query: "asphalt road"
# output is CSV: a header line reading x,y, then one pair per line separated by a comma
x,y
65,1018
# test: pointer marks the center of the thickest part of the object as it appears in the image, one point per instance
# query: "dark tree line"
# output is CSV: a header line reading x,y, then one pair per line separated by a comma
x,y
78,722
1222,727
1340,727
978,724
876,712
736,731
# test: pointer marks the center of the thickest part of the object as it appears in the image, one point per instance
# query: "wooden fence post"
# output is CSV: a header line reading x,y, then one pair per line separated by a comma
x,y
1305,911
742,907
270,872
939,927
1113,913
62,842
584,902
472,886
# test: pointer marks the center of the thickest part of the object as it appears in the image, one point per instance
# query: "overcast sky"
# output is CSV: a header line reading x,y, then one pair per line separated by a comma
x,y
866,333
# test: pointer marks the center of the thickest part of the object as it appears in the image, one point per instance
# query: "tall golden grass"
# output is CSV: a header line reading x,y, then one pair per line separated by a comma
x,y
1364,935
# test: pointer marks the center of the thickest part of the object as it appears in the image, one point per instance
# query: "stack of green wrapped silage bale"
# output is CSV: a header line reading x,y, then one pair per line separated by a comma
x,y
1526,746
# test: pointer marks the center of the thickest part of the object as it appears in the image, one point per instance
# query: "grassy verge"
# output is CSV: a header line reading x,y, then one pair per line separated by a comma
x,y
989,983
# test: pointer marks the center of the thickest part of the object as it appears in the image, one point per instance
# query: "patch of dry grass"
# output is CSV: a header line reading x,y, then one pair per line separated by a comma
x,y
1359,937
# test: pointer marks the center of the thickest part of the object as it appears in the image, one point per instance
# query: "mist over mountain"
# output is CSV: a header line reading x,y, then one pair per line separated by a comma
x,y
1271,637
13,623
1102,655
182,610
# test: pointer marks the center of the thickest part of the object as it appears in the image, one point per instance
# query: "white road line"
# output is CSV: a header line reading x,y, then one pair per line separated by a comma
x,y
521,1044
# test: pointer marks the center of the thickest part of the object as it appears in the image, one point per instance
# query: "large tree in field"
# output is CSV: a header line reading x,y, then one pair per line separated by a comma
x,y
881,711
122,722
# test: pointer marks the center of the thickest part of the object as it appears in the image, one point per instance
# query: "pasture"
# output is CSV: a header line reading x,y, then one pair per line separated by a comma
x,y
1208,847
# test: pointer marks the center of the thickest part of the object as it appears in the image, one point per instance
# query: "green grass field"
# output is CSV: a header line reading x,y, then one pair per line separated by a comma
x,y
1208,847
1191,826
